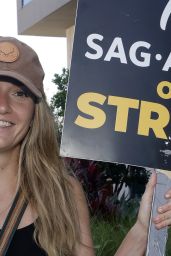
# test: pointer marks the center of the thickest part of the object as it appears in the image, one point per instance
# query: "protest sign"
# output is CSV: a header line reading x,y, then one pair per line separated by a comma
x,y
118,104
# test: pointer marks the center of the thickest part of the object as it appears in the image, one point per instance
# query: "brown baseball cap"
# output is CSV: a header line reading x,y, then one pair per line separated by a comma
x,y
20,61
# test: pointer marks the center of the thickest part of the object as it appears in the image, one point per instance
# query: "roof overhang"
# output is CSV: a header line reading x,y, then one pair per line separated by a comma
x,y
51,20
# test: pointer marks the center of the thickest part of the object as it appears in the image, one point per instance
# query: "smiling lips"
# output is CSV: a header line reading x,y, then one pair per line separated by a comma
x,y
5,123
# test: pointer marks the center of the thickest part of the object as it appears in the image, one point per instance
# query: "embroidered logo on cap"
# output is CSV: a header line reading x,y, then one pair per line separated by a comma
x,y
8,52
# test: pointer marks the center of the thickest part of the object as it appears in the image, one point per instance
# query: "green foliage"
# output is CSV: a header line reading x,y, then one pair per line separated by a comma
x,y
108,234
57,103
59,99
168,247
127,210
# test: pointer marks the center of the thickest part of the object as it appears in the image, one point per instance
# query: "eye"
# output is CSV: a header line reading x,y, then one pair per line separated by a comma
x,y
20,93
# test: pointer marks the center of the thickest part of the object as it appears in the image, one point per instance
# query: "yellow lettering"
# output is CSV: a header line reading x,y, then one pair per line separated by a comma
x,y
161,93
98,116
157,125
123,106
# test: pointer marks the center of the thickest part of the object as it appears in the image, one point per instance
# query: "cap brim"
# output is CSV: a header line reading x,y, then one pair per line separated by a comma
x,y
23,80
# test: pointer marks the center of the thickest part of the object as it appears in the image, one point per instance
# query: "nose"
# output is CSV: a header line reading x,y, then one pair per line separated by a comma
x,y
4,103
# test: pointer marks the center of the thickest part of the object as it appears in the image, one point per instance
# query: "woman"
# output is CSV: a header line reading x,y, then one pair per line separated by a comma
x,y
56,214
27,138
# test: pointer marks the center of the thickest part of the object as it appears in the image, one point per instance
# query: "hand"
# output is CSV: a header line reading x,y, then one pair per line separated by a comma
x,y
146,202
135,242
163,218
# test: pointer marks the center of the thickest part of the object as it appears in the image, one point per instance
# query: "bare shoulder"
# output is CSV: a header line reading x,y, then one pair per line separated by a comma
x,y
76,188
75,183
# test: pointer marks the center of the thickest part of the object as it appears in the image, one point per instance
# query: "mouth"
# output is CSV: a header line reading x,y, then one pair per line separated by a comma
x,y
4,124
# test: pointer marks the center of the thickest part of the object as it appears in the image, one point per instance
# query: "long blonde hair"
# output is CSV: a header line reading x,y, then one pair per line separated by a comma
x,y
45,183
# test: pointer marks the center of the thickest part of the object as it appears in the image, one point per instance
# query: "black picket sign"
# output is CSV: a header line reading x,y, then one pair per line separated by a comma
x,y
119,97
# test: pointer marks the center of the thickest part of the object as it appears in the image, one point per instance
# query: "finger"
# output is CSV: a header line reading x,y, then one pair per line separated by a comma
x,y
162,217
163,224
152,180
145,206
150,187
168,194
164,208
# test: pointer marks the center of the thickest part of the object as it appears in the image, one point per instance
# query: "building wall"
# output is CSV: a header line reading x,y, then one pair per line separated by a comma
x,y
48,18
70,37
36,11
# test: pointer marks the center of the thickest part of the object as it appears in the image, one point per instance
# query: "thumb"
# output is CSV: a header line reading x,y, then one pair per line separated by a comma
x,y
146,202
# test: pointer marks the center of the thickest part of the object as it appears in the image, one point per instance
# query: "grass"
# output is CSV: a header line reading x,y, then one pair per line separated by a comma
x,y
108,235
168,247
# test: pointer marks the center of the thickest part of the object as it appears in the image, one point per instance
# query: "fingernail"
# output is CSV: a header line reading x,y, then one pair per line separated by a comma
x,y
160,209
158,226
167,195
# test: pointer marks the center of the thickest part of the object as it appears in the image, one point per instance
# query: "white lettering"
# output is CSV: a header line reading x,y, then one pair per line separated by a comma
x,y
97,48
167,65
146,56
120,53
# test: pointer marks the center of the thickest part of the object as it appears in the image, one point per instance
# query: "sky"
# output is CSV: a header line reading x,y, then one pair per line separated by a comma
x,y
51,50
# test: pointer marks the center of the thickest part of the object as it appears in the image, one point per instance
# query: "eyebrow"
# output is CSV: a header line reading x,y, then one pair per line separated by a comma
x,y
21,85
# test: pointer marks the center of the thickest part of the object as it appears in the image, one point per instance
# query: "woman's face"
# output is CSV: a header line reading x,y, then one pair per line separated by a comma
x,y
16,113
